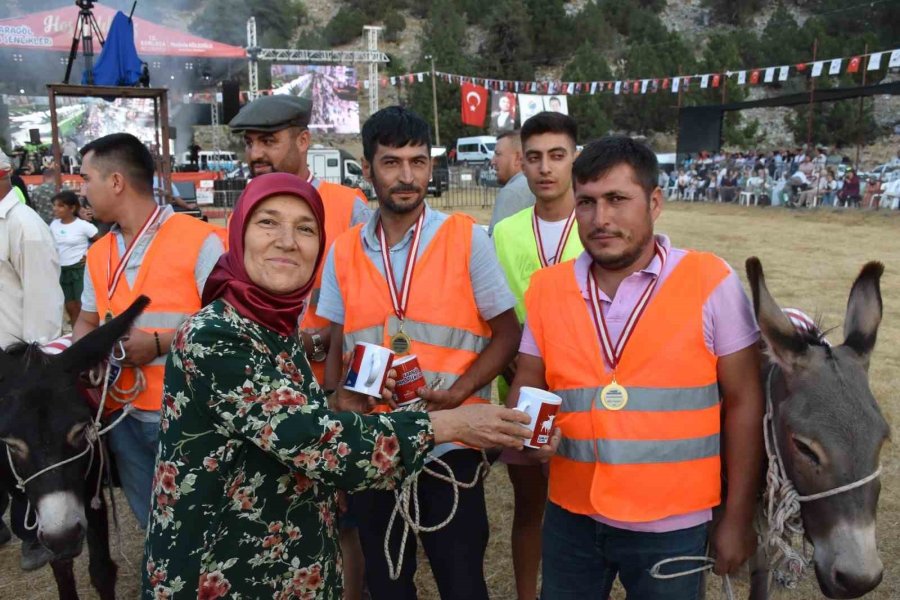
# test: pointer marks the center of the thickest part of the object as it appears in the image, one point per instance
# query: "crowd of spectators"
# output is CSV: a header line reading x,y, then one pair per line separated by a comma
x,y
797,178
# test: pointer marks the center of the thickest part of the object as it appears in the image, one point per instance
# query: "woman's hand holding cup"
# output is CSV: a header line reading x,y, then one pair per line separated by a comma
x,y
348,400
481,426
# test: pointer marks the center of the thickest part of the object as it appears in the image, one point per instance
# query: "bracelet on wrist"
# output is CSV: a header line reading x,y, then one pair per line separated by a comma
x,y
159,351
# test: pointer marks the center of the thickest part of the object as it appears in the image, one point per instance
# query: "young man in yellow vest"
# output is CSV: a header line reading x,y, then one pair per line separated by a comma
x,y
276,139
641,340
426,283
149,250
527,241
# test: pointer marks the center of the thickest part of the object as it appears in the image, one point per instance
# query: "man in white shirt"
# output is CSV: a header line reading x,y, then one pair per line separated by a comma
x,y
31,306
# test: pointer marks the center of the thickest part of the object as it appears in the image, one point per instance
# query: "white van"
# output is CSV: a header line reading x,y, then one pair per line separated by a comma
x,y
477,149
210,160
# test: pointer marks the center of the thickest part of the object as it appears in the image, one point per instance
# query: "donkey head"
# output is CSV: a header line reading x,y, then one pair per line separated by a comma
x,y
44,421
829,429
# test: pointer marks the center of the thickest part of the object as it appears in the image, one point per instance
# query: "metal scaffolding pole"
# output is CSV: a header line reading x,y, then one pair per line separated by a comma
x,y
288,55
253,55
372,36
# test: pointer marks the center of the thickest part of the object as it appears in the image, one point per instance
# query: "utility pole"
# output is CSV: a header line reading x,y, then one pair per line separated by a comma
x,y
812,93
437,126
859,141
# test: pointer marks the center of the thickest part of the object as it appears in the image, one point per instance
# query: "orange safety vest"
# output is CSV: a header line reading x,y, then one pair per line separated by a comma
x,y
338,201
166,276
659,455
442,319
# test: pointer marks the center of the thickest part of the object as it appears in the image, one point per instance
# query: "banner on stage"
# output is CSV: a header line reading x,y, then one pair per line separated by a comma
x,y
331,88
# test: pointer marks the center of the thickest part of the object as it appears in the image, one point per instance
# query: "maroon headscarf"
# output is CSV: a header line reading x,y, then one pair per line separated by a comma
x,y
229,279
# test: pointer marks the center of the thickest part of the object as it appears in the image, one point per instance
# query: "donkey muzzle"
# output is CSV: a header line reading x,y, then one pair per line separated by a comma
x,y
847,561
61,523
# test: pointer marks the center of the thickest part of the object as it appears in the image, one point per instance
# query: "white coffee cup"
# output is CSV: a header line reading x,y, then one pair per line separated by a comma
x,y
368,369
542,407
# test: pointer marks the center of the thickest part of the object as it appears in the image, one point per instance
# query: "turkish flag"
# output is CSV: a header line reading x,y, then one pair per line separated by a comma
x,y
754,77
853,65
715,80
636,87
474,104
666,83
801,66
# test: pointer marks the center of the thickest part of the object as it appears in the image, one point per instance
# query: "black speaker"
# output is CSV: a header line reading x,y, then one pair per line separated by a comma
x,y
231,100
35,136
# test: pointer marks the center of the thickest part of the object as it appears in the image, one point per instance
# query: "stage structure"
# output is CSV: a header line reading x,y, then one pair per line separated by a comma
x,y
159,97
372,56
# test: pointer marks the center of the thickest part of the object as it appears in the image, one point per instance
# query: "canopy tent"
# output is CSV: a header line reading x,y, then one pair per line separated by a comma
x,y
53,29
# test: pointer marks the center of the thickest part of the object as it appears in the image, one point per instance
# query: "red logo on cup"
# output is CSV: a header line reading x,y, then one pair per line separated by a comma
x,y
409,379
543,425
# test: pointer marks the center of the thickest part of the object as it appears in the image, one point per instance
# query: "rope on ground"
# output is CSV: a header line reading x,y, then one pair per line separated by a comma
x,y
407,499
656,571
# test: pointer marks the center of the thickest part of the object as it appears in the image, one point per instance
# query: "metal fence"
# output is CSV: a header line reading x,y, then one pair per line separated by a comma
x,y
460,187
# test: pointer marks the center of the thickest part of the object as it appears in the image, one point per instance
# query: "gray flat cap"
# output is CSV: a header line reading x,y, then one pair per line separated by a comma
x,y
273,113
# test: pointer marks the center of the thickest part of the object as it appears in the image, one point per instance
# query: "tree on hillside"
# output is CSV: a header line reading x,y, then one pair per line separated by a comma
x,y
592,113
508,44
550,27
443,37
226,21
735,12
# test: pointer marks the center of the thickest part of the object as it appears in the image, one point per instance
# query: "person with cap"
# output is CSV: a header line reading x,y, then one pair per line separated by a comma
x,y
31,309
425,283
276,139
149,250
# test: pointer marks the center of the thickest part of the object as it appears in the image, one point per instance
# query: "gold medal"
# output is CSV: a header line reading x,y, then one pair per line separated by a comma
x,y
613,396
400,343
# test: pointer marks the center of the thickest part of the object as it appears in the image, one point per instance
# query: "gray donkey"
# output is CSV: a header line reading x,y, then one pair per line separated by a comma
x,y
826,432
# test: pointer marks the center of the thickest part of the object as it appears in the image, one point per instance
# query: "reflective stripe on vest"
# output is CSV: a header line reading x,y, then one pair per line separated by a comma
x,y
435,335
644,399
639,452
452,338
160,320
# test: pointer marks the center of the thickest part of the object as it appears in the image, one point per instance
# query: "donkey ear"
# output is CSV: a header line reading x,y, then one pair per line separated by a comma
x,y
864,311
96,346
784,344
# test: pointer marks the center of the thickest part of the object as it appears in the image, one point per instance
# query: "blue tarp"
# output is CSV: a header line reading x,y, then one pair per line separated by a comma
x,y
118,63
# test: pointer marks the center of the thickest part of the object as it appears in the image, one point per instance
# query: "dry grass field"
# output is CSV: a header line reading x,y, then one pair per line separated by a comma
x,y
811,258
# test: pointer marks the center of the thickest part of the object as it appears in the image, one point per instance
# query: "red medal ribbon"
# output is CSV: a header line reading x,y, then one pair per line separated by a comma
x,y
613,354
400,299
112,279
560,248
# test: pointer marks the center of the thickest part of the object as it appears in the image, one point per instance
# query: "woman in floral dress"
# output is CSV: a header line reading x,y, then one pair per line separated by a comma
x,y
250,457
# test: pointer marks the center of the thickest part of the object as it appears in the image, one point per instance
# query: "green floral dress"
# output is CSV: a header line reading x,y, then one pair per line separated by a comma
x,y
250,461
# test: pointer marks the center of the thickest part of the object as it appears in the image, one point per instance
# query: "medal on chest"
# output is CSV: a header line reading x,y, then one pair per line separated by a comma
x,y
400,342
614,396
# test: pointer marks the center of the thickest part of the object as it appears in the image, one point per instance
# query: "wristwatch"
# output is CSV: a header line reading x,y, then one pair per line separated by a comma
x,y
318,348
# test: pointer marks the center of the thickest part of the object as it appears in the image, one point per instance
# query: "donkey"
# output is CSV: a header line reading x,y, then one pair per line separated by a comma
x,y
829,432
43,422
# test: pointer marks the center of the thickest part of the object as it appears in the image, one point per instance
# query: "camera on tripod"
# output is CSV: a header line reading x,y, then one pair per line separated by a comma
x,y
85,4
